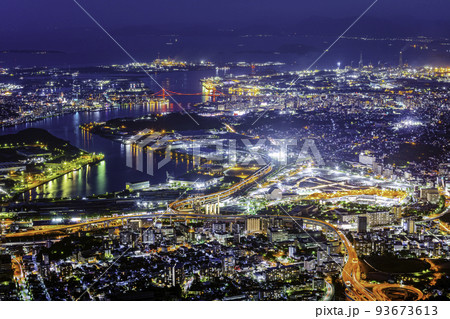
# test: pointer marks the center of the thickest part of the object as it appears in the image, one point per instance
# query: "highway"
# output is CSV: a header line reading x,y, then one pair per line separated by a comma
x,y
351,274
359,290
63,228
356,289
330,290
174,207
442,225
215,197
379,290
434,217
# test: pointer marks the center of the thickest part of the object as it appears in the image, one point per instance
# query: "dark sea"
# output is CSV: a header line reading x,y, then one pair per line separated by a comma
x,y
297,51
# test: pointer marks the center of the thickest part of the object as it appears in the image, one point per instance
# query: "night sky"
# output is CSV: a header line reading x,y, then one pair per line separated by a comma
x,y
61,25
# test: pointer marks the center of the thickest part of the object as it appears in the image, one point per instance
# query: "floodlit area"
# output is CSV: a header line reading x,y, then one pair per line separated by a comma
x,y
310,183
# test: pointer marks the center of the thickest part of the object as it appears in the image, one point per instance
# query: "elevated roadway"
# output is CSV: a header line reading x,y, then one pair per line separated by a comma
x,y
218,196
356,289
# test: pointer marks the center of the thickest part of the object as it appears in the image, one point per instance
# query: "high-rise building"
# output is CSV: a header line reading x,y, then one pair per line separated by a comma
x,y
377,168
409,226
397,211
276,235
253,224
378,218
362,224
237,229
367,159
7,284
322,256
277,222
292,251
219,227
429,194
148,236
175,274
6,272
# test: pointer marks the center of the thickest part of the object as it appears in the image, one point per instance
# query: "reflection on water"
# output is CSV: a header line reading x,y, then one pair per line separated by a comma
x,y
112,174
83,182
97,179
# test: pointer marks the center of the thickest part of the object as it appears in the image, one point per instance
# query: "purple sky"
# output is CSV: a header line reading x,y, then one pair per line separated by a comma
x,y
25,17
62,25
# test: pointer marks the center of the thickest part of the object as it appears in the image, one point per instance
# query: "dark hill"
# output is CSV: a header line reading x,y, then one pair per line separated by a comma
x,y
33,135
174,121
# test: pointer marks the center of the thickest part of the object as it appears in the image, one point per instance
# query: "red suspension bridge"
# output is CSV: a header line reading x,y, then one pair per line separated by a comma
x,y
213,92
